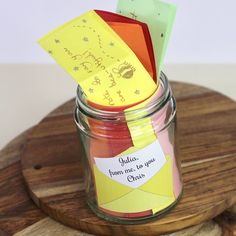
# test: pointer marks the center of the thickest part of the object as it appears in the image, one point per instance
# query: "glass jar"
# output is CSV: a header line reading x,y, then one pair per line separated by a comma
x,y
130,161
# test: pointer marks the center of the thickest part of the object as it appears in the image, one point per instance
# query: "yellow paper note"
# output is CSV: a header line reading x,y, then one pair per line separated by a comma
x,y
107,189
138,201
141,130
154,194
162,182
99,60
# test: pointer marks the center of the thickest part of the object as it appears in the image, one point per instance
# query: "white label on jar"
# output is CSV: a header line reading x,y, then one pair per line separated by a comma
x,y
133,169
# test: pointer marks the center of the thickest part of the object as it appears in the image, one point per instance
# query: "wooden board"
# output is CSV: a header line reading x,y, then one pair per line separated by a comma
x,y
20,217
207,139
17,210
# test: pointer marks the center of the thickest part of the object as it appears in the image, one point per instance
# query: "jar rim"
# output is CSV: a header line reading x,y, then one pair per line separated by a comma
x,y
101,114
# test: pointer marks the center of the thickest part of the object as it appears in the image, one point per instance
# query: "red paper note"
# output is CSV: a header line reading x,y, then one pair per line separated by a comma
x,y
117,137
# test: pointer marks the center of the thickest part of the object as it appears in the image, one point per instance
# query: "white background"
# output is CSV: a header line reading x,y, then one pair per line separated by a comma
x,y
204,33
204,30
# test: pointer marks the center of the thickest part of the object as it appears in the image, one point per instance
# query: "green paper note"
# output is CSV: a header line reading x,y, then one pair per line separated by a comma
x,y
158,15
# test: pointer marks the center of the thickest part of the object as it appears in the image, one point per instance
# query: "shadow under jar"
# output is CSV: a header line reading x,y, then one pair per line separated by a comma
x,y
131,167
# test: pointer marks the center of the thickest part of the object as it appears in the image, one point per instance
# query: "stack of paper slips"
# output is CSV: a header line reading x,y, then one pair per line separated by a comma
x,y
114,60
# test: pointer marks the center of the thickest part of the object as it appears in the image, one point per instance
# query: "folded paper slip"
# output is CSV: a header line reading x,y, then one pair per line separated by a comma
x,y
136,35
100,61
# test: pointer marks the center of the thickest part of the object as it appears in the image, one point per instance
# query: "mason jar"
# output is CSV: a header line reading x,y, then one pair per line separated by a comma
x,y
130,161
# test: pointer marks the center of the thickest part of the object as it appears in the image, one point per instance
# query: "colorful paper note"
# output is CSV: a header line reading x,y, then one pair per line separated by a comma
x,y
141,130
133,35
126,195
108,71
158,15
136,35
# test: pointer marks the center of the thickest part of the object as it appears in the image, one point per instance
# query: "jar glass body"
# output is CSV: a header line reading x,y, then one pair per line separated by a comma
x,y
131,164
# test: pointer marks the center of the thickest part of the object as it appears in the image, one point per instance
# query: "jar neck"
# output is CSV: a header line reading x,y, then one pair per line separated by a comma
x,y
157,102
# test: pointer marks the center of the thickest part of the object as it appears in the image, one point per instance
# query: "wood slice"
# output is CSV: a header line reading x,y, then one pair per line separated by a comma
x,y
20,217
207,138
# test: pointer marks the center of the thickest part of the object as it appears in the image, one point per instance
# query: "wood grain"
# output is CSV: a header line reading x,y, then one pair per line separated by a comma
x,y
49,227
17,210
207,139
28,220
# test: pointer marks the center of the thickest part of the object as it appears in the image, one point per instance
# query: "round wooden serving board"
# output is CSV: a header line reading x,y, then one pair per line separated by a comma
x,y
20,217
207,138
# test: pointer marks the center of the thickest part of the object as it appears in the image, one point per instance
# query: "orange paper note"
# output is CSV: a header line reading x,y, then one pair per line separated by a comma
x,y
133,35
136,35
